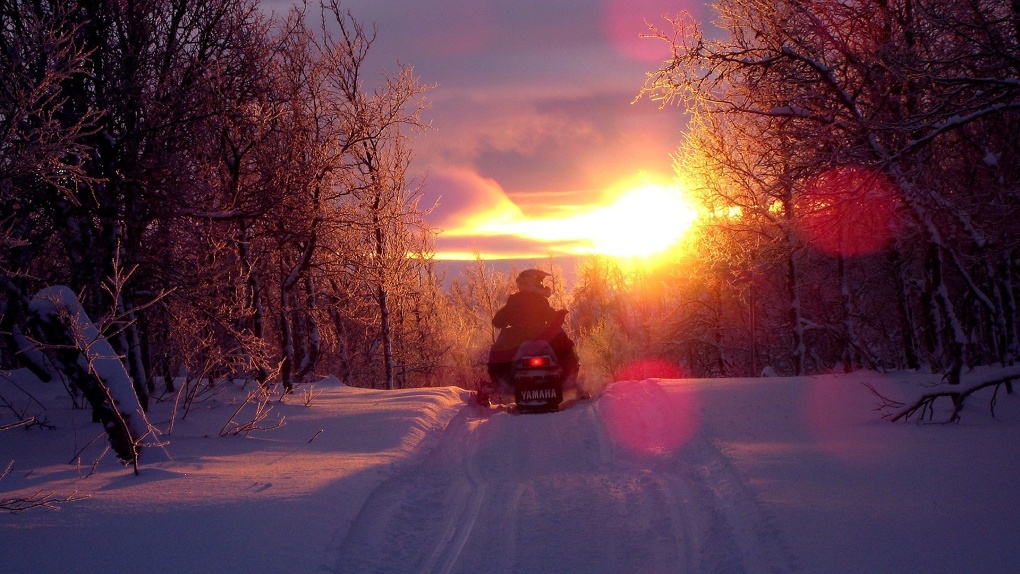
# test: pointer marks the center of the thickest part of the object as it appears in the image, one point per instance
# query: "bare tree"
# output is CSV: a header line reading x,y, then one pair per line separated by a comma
x,y
856,95
41,155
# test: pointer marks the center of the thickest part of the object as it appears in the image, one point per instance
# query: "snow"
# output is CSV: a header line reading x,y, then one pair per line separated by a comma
x,y
773,474
97,355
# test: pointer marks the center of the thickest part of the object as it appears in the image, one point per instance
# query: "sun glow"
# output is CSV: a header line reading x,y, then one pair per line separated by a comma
x,y
643,221
637,219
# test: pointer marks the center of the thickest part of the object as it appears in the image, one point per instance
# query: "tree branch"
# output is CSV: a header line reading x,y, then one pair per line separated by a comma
x,y
924,406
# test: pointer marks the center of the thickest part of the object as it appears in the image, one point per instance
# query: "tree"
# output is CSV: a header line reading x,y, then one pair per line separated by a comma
x,y
225,171
41,156
92,366
353,222
854,101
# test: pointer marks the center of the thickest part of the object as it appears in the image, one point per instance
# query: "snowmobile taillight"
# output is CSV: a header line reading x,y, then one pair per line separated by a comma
x,y
539,361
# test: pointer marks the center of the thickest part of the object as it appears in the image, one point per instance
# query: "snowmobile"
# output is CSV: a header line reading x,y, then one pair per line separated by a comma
x,y
537,377
537,380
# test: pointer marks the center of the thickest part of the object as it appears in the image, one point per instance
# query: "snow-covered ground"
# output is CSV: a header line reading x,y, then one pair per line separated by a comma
x,y
721,475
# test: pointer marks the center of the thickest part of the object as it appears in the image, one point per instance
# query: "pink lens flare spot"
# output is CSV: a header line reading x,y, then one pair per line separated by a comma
x,y
626,23
643,418
847,211
649,369
840,415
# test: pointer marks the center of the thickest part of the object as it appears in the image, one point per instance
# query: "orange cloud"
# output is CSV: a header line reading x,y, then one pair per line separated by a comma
x,y
466,202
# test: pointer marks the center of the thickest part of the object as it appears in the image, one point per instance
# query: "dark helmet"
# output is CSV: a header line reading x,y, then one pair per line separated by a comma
x,y
531,280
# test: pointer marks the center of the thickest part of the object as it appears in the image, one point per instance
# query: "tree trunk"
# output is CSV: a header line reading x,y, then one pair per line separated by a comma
x,y
1009,310
286,342
312,341
89,362
909,338
958,339
850,357
384,313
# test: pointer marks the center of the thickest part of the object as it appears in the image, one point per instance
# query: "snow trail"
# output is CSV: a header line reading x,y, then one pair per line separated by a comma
x,y
558,492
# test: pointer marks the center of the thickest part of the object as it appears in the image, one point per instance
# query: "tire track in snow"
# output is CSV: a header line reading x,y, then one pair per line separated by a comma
x,y
662,480
506,563
736,532
682,531
419,495
461,522
542,493
719,524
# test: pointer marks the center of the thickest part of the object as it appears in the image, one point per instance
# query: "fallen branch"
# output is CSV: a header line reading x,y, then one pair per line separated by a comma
x,y
25,422
39,499
924,407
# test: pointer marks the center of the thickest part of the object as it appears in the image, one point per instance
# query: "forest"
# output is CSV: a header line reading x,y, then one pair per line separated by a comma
x,y
858,160
226,196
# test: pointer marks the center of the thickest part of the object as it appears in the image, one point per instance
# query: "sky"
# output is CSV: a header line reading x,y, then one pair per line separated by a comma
x,y
533,114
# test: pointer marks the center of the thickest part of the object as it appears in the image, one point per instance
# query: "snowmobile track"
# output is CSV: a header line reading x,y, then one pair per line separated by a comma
x,y
682,532
461,521
735,533
502,493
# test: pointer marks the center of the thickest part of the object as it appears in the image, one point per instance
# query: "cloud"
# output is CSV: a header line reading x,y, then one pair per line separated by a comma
x,y
498,247
555,151
531,111
465,202
473,215
627,21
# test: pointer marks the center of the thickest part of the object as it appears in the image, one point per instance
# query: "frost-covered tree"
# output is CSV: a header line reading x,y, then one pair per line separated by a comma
x,y
41,157
92,366
871,127
226,171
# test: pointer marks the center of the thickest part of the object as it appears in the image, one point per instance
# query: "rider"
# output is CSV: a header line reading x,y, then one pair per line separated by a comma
x,y
528,315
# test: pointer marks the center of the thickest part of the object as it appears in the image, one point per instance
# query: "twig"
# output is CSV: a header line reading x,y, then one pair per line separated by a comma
x,y
24,422
39,499
924,407
77,455
262,410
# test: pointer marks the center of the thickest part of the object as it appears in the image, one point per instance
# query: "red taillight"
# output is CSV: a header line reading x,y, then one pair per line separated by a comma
x,y
537,361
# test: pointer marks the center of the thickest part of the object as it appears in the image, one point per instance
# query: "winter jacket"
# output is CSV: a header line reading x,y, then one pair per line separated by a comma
x,y
525,316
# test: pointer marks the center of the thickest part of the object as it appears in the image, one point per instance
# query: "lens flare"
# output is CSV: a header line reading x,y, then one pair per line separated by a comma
x,y
847,211
840,417
627,24
648,369
644,419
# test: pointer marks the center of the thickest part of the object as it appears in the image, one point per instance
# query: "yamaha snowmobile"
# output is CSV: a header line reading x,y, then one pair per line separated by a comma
x,y
537,380
537,377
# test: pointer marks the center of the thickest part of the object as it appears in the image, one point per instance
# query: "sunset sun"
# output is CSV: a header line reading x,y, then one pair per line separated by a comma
x,y
636,219
643,221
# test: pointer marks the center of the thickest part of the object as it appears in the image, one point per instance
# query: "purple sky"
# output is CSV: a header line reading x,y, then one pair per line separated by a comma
x,y
532,111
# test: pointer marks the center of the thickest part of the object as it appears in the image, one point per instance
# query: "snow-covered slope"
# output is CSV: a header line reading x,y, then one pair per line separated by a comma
x,y
722,475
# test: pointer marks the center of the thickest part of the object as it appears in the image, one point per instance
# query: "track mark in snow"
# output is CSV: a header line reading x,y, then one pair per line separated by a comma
x,y
557,492
509,549
469,498
735,533
682,534
720,524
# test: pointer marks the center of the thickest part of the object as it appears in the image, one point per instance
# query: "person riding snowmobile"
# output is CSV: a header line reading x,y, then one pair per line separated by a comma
x,y
527,315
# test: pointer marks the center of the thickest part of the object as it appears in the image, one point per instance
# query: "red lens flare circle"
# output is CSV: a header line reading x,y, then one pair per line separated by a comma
x,y
649,369
847,211
643,418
